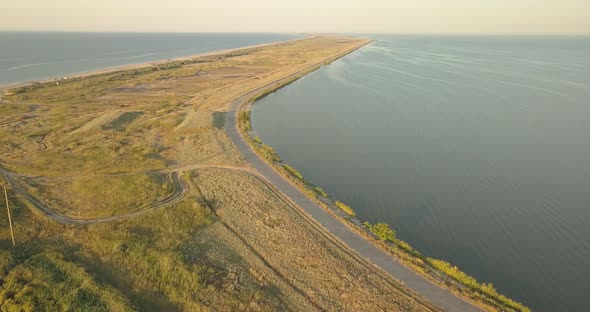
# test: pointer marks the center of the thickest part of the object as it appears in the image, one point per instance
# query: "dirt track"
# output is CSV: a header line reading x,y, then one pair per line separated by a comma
x,y
179,190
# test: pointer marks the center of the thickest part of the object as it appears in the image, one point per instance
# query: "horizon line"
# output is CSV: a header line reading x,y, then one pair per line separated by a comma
x,y
297,33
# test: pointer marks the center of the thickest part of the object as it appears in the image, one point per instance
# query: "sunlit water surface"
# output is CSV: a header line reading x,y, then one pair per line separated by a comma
x,y
475,149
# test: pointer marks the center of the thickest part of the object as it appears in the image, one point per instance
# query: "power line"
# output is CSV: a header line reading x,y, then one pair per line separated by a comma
x,y
9,217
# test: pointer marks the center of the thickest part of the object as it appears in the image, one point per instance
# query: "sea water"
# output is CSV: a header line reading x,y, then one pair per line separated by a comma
x,y
33,56
475,149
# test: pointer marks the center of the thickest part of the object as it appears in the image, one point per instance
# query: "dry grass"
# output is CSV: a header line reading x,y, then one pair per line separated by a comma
x,y
326,274
99,196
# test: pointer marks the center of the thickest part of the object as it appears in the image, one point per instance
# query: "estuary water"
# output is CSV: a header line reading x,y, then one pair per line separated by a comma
x,y
31,56
475,149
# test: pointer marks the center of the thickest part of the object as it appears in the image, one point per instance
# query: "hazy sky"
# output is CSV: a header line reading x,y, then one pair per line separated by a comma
x,y
396,16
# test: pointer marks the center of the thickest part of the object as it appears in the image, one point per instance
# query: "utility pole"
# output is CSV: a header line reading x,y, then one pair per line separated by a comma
x,y
9,217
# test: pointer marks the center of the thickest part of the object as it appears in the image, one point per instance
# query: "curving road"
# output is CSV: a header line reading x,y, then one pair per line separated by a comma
x,y
439,296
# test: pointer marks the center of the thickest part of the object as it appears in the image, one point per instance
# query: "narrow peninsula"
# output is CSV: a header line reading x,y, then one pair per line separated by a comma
x,y
142,189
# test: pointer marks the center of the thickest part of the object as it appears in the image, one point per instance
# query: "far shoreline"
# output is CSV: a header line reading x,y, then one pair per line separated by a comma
x,y
110,69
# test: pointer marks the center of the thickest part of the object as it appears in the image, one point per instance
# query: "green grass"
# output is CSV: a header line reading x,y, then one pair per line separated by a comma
x,y
98,196
119,194
320,191
268,153
48,282
344,207
293,172
469,281
244,121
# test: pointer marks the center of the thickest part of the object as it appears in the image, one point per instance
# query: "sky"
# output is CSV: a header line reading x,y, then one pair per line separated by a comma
x,y
571,17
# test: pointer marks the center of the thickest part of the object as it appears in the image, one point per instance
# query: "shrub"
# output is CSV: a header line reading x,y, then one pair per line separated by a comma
x,y
383,231
345,208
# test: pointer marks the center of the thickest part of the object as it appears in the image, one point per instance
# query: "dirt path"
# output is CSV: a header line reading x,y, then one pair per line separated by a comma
x,y
180,189
439,296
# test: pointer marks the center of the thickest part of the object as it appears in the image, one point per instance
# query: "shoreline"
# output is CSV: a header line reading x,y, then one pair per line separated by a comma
x,y
403,252
111,69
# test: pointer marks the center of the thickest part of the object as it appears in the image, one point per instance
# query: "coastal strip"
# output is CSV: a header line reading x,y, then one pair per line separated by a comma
x,y
438,295
112,69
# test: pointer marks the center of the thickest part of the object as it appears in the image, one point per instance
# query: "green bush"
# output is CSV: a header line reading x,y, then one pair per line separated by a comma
x,y
383,231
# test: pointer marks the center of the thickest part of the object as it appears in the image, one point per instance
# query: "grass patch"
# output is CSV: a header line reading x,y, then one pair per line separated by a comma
x,y
48,282
344,207
320,191
103,195
293,172
120,192
244,121
268,153
484,288
122,121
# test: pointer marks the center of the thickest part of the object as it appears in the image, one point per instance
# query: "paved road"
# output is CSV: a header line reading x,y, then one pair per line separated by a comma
x,y
439,296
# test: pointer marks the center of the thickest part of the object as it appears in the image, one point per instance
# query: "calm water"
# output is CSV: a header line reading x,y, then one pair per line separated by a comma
x,y
476,149
27,56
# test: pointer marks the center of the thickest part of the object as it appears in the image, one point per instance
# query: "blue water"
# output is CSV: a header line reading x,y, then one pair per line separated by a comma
x,y
32,56
475,149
